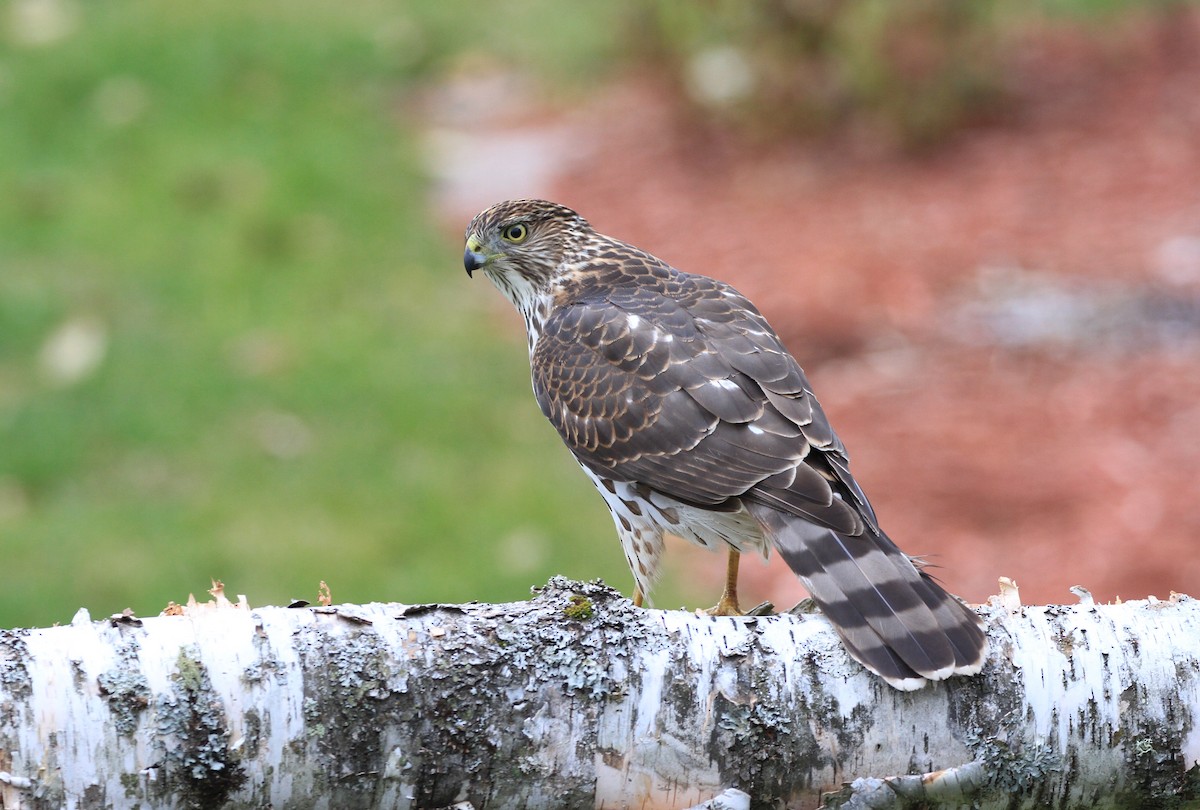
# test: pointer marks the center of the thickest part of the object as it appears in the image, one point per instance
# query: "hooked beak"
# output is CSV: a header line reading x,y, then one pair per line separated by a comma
x,y
473,257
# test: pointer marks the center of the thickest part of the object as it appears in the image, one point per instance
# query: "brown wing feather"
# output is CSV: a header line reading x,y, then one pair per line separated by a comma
x,y
678,382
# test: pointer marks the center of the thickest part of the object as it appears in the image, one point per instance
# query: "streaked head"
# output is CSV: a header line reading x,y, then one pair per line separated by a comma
x,y
520,244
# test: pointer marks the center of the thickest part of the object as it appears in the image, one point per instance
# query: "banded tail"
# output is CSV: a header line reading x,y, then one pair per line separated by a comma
x,y
893,618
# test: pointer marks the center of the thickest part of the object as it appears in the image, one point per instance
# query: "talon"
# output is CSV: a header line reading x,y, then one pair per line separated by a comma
x,y
725,607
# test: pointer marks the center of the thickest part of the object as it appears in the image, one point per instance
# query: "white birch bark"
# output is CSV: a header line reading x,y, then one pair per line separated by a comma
x,y
577,699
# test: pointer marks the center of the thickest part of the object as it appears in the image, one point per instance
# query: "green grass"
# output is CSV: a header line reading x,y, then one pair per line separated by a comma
x,y
298,381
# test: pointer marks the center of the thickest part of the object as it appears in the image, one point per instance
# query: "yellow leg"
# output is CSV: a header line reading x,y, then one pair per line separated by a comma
x,y
638,597
728,606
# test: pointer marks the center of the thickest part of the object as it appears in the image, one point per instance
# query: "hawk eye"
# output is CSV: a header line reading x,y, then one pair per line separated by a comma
x,y
515,233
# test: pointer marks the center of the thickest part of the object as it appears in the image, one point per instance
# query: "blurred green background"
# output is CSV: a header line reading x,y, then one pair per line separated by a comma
x,y
236,340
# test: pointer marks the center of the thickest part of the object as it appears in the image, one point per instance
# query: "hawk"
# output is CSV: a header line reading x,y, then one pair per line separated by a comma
x,y
682,406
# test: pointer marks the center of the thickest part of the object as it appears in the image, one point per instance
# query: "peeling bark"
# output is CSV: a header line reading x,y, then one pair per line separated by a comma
x,y
578,699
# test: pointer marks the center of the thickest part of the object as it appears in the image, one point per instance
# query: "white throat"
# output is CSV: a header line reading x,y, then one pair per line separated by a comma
x,y
533,303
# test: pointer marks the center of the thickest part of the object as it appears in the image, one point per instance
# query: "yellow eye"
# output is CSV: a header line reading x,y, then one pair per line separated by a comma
x,y
515,233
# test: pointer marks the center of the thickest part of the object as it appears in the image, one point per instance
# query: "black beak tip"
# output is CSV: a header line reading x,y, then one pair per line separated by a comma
x,y
470,262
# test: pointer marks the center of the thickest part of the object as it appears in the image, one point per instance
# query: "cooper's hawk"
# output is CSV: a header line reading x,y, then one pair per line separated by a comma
x,y
684,409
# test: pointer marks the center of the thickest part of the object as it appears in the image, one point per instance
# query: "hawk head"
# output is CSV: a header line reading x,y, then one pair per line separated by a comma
x,y
522,244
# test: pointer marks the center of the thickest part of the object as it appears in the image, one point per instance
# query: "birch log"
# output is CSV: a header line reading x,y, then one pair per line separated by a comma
x,y
578,699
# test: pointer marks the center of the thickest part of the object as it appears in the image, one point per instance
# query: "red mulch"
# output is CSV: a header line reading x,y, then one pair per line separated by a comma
x,y
1053,465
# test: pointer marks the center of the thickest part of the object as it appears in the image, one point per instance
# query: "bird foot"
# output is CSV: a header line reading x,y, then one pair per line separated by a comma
x,y
727,606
